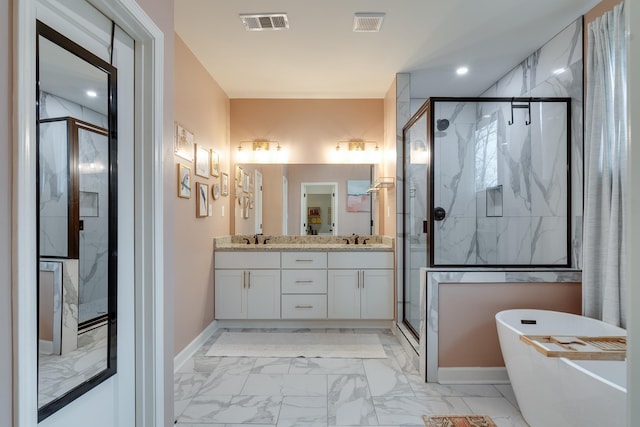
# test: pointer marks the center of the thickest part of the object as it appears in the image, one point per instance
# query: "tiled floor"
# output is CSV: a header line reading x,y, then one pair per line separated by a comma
x,y
317,392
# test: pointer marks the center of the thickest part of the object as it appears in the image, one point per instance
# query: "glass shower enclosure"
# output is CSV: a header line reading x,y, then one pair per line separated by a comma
x,y
487,183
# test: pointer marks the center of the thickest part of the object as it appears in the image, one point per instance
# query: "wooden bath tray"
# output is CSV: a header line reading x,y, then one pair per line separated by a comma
x,y
579,348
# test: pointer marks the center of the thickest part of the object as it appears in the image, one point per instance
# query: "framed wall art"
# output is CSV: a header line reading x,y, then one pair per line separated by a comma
x,y
224,190
183,143
202,200
215,191
184,181
202,162
215,163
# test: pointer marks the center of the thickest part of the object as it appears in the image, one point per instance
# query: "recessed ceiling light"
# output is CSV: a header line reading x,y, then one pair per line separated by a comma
x,y
461,71
559,71
91,93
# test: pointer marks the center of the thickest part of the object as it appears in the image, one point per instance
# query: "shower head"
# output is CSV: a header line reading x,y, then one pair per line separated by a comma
x,y
442,124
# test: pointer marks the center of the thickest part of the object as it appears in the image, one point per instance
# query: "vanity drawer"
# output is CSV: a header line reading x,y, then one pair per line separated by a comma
x,y
304,260
304,306
304,281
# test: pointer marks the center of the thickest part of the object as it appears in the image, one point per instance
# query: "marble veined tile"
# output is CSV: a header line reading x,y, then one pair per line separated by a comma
x,y
386,378
424,389
235,365
220,383
285,385
409,410
321,366
492,406
271,365
232,409
507,391
185,387
303,412
350,401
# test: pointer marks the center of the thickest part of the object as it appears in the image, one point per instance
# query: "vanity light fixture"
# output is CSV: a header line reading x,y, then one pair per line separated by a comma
x,y
262,151
357,151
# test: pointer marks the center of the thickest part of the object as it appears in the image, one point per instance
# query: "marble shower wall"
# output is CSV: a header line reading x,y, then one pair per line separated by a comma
x,y
556,70
94,191
503,186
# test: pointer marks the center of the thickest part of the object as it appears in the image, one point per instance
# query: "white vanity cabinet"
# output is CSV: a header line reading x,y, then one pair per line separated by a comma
x,y
360,285
304,285
247,285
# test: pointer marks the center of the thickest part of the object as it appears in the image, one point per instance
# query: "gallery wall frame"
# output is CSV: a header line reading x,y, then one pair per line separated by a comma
x,y
215,163
224,190
183,143
203,161
184,181
202,200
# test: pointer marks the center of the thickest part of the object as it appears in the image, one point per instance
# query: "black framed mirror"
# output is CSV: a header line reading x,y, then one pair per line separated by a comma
x,y
77,219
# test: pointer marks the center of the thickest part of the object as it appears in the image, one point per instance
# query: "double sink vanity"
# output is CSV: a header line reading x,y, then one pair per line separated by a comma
x,y
304,277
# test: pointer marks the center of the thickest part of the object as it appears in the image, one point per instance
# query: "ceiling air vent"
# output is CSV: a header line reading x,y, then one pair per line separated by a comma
x,y
367,22
265,21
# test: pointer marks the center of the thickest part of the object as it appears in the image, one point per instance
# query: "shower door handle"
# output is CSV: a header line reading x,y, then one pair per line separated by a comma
x,y
439,214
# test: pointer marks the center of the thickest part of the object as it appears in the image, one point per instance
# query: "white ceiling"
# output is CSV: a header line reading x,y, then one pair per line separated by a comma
x,y
320,56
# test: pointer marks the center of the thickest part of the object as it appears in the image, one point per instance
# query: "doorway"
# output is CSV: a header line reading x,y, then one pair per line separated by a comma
x,y
318,214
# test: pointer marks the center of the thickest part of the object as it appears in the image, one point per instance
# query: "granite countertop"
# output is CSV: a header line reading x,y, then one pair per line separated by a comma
x,y
303,243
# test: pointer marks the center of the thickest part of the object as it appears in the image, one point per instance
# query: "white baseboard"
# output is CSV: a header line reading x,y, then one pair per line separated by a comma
x,y
186,353
45,347
473,376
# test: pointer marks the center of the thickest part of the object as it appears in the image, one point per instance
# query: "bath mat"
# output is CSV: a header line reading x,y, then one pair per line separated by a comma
x,y
285,344
458,421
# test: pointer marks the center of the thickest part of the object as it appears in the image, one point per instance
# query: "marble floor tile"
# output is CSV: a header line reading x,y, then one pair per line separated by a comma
x,y
271,365
185,387
285,385
409,410
507,391
325,392
232,410
385,378
221,383
350,401
320,366
303,412
492,406
235,365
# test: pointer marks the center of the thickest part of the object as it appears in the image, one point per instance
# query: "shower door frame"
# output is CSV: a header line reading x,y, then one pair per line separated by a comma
x,y
425,109
431,102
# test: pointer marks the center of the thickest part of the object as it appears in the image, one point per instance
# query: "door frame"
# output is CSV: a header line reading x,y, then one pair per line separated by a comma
x,y
303,205
148,187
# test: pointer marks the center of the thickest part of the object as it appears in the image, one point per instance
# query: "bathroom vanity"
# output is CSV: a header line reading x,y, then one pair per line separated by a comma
x,y
304,278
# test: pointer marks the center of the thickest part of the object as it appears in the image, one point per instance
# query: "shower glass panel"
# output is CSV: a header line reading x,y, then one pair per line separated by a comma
x,y
93,149
416,158
501,193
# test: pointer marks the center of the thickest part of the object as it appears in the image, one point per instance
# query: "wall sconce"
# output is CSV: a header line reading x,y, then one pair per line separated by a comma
x,y
357,151
260,151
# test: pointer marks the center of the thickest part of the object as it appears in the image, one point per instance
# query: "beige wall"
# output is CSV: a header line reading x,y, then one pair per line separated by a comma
x,y
6,37
272,198
202,107
467,335
308,128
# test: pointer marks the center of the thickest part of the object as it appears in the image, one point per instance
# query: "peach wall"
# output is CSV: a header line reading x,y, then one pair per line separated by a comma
x,y
6,128
467,335
202,107
600,9
308,128
272,199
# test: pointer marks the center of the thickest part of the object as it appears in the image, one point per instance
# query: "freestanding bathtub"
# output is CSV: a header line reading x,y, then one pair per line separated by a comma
x,y
556,391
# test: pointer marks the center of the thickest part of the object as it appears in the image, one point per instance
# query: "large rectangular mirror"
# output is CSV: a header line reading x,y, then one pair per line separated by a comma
x,y
303,199
77,220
